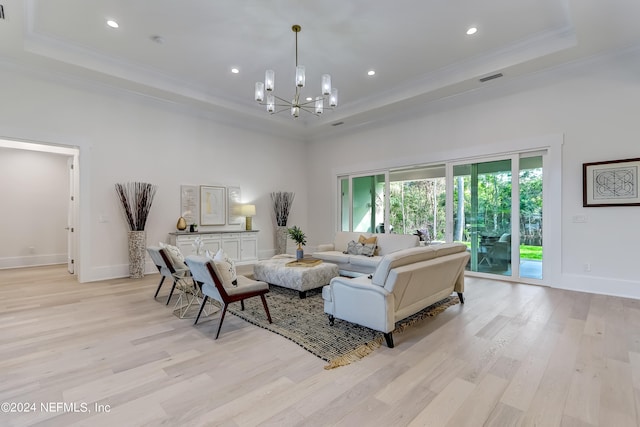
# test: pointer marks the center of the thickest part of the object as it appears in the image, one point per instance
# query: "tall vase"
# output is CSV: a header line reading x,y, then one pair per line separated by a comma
x,y
137,253
281,239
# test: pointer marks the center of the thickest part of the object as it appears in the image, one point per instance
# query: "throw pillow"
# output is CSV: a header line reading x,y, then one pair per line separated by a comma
x,y
368,249
368,240
353,248
176,257
373,240
226,267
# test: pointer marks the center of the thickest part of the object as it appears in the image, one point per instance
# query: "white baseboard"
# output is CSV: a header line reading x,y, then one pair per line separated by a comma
x,y
115,272
601,285
33,260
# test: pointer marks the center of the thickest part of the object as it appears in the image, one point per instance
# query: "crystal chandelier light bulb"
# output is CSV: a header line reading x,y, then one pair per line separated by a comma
x,y
300,76
259,91
269,80
271,103
319,104
326,84
333,99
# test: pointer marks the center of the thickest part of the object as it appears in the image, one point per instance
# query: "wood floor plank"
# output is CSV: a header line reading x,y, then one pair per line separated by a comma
x,y
514,354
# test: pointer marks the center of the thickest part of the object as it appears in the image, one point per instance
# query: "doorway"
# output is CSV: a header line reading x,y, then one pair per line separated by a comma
x,y
68,192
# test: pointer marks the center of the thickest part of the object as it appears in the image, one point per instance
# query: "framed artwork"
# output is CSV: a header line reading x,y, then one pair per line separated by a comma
x,y
233,206
611,183
213,206
189,203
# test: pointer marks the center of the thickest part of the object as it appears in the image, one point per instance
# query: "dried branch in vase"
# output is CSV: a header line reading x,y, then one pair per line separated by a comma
x,y
136,199
282,202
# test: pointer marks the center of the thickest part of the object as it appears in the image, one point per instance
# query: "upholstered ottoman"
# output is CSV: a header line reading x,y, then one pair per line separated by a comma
x,y
276,272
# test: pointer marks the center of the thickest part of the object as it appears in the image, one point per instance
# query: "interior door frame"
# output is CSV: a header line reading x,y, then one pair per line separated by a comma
x,y
73,154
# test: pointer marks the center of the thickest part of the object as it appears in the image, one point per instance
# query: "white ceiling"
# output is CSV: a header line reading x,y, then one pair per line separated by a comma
x,y
418,48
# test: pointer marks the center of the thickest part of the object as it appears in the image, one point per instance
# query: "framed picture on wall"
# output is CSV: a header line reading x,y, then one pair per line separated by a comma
x,y
611,183
212,205
189,203
233,206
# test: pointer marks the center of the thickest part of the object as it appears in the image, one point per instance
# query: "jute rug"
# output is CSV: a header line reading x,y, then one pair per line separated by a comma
x,y
304,322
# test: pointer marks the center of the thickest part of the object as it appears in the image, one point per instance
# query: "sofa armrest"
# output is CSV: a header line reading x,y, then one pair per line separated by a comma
x,y
324,247
358,301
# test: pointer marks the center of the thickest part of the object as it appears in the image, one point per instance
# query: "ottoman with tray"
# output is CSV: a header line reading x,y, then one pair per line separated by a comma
x,y
300,275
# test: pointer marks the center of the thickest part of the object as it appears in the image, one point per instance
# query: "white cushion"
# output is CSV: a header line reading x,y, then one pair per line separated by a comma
x,y
226,268
332,256
388,243
399,258
176,257
365,261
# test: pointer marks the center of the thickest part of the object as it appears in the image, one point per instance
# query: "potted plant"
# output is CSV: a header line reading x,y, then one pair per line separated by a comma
x,y
298,236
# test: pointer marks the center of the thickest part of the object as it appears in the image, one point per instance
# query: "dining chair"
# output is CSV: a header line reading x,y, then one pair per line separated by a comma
x,y
166,268
205,272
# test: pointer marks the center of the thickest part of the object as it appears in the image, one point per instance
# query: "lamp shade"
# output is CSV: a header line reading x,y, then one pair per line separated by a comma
x,y
259,91
326,84
333,99
271,103
300,76
269,80
248,210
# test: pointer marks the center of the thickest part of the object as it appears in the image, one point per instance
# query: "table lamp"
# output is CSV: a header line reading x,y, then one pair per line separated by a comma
x,y
248,211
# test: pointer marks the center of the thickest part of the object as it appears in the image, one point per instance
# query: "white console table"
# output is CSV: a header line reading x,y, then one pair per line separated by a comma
x,y
240,245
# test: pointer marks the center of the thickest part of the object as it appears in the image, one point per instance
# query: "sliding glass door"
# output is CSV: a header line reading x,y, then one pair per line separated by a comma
x,y
494,207
530,250
482,214
503,238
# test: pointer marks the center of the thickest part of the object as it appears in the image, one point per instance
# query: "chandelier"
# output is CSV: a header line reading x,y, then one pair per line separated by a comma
x,y
315,106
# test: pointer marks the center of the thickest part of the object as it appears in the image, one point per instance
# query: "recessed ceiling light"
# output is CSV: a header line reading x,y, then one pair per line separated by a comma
x,y
112,23
235,70
309,98
472,30
371,73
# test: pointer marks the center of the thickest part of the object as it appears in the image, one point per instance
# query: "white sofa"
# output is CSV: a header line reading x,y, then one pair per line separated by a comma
x,y
386,244
404,283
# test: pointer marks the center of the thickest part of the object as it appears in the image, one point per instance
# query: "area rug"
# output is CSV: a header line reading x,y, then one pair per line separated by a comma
x,y
304,322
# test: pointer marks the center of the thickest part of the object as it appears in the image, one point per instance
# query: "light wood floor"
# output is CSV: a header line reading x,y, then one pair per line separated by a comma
x,y
512,355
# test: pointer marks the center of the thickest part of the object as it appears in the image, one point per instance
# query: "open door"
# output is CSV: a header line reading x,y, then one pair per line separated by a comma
x,y
71,249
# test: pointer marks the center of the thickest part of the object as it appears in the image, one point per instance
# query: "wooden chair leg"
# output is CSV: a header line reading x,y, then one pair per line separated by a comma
x,y
266,309
175,282
461,297
204,301
389,339
242,304
159,286
224,311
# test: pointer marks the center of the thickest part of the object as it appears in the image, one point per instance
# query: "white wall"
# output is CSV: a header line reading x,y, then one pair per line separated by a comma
x,y
34,188
124,137
595,105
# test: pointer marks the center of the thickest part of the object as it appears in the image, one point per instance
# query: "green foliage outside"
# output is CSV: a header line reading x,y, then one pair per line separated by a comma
x,y
526,252
531,252
420,204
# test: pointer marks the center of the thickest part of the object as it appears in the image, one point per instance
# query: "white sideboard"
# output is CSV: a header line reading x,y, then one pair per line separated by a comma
x,y
240,245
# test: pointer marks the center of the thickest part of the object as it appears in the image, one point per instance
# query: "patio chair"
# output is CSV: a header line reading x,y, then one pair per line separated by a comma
x,y
500,252
205,272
